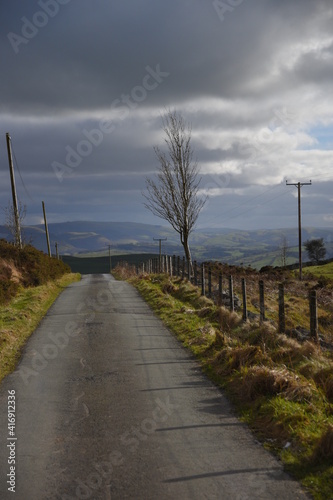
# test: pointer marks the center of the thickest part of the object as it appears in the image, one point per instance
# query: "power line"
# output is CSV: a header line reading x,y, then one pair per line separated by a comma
x,y
20,175
224,219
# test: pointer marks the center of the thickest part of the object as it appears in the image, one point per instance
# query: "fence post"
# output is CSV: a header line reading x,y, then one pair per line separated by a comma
x,y
209,282
189,270
220,289
195,270
262,301
313,316
203,288
178,266
244,299
231,294
183,268
170,266
174,271
282,315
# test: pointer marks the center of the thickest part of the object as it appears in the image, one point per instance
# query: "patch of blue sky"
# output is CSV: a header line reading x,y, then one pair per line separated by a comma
x,y
323,138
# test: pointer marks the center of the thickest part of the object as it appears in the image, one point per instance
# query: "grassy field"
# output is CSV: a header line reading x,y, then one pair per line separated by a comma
x,y
325,271
281,387
20,317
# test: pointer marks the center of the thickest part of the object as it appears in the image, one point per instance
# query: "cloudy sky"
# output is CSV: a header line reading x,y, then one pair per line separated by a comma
x,y
84,84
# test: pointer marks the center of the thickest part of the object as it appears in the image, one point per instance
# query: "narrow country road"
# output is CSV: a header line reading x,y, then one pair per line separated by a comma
x,y
110,405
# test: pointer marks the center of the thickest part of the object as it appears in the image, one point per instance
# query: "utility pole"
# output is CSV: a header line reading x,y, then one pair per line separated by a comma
x,y
160,258
299,185
46,231
15,207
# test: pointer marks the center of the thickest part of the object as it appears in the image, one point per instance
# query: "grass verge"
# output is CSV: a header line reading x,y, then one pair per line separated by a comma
x,y
20,317
282,388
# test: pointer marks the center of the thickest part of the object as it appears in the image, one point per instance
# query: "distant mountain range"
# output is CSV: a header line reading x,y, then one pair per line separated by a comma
x,y
257,248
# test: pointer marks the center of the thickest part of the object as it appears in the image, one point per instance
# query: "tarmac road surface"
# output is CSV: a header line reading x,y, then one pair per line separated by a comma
x,y
108,404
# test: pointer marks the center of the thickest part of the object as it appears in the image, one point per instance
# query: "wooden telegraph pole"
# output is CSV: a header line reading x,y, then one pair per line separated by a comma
x,y
46,231
299,185
18,238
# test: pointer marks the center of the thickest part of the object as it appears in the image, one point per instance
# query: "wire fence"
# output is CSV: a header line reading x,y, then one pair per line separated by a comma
x,y
263,298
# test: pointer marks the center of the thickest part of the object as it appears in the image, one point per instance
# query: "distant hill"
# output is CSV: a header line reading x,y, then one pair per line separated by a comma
x,y
257,248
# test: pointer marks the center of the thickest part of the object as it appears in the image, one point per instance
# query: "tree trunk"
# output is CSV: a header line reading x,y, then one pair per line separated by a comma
x,y
184,241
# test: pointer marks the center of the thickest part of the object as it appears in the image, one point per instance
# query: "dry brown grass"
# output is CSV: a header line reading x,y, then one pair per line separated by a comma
x,y
124,271
265,381
230,359
228,320
204,311
169,287
324,379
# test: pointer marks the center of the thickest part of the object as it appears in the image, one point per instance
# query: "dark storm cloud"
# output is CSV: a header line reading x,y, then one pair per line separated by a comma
x,y
91,53
83,85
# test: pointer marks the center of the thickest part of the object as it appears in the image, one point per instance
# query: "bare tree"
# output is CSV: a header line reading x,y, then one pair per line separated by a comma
x,y
173,196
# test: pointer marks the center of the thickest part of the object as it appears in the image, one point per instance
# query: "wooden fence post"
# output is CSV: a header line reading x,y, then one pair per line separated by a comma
x,y
313,316
262,301
183,268
282,314
195,270
209,282
203,288
231,294
178,266
189,270
244,299
220,289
